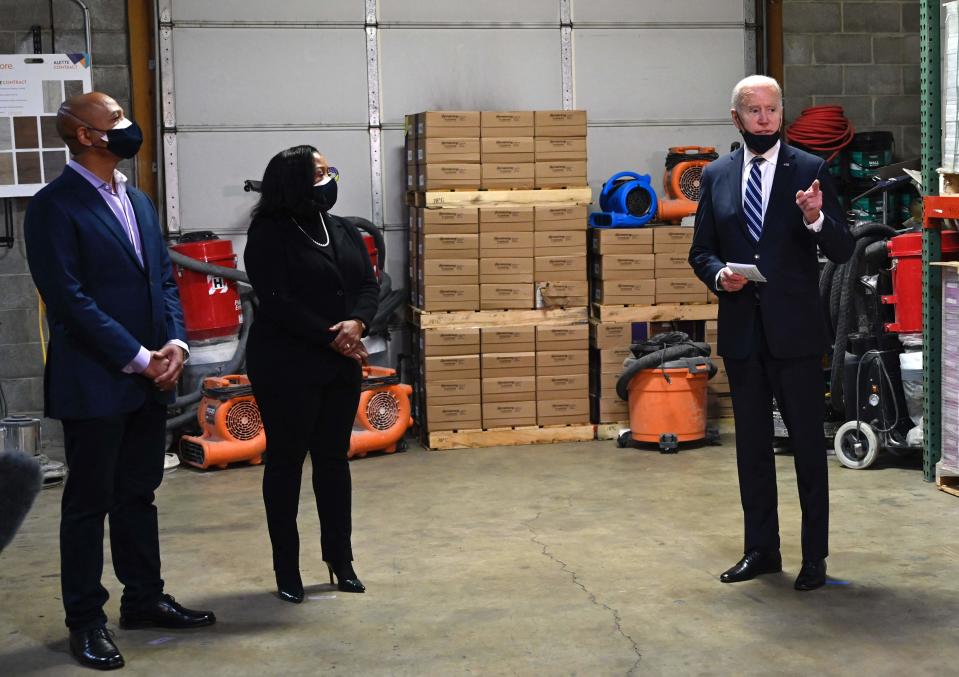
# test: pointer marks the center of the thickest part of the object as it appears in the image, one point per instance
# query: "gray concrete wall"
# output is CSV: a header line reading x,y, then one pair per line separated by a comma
x,y
21,365
862,55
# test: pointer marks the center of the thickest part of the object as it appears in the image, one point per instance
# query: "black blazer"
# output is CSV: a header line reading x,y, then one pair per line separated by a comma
x,y
102,304
791,311
302,291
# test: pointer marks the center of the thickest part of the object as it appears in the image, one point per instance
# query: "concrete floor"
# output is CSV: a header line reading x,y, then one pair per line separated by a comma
x,y
567,559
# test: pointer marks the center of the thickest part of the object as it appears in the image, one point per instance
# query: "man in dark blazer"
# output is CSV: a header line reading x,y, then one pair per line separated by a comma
x,y
772,206
117,347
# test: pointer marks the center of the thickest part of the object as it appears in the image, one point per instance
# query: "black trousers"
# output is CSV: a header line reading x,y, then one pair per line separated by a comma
x,y
798,386
116,464
318,419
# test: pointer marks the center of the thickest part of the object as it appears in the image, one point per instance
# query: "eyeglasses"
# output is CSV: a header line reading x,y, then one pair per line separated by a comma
x,y
332,172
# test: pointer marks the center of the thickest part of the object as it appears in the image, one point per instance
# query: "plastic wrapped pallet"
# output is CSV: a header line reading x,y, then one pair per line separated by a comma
x,y
950,87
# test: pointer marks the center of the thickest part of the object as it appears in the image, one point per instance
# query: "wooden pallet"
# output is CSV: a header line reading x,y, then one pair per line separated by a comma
x,y
947,483
664,312
611,431
498,437
453,198
497,318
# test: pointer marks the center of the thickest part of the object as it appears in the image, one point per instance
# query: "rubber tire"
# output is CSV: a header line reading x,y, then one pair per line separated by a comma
x,y
624,439
847,434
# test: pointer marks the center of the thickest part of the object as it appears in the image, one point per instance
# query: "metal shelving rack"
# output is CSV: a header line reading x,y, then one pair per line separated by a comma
x,y
931,96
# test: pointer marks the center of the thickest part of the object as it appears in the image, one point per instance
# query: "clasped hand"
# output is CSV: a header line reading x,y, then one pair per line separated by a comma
x,y
165,367
347,340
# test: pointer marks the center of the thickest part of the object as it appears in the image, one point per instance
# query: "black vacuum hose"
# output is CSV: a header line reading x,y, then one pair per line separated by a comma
x,y
656,352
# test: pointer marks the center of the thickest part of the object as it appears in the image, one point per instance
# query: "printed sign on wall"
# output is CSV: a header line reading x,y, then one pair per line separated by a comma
x,y
32,87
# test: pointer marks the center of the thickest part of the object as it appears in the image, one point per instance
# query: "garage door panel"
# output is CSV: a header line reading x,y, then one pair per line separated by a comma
x,y
298,76
644,74
468,11
213,165
684,11
257,10
424,69
643,150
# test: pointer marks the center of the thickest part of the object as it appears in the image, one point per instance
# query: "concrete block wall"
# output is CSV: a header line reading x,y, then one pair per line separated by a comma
x,y
21,363
862,55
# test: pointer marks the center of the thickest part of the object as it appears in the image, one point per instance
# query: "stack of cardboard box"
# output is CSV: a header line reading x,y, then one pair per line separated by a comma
x,y
562,374
506,258
508,365
506,149
449,379
675,280
623,266
559,247
719,402
560,148
444,259
609,346
443,150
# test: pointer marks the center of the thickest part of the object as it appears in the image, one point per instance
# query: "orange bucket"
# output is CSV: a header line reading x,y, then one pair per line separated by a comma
x,y
668,406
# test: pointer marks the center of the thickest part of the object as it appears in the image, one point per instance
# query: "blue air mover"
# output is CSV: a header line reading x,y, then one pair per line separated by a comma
x,y
627,200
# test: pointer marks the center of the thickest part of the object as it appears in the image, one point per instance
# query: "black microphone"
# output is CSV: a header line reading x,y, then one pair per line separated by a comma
x,y
20,481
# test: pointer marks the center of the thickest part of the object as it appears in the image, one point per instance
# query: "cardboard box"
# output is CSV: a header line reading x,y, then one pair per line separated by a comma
x,y
516,245
518,339
610,410
556,362
560,169
456,150
450,224
449,246
508,271
562,384
560,123
633,292
448,123
610,360
562,264
464,216
500,123
450,368
507,149
412,177
622,240
560,148
515,220
507,414
449,297
611,334
506,296
667,236
454,417
561,412
459,391
673,265
507,175
624,266
574,217
694,299
509,389
681,285
436,177
559,243
561,182
498,365
431,272
562,337
562,293
450,341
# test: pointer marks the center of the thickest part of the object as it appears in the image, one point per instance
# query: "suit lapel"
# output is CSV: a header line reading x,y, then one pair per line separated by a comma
x,y
735,176
91,200
142,212
785,167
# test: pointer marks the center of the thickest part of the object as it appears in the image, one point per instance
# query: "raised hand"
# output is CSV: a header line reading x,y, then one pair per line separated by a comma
x,y
810,202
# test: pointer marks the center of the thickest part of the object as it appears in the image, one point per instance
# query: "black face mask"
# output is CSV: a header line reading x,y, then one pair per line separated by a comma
x,y
324,195
124,142
759,143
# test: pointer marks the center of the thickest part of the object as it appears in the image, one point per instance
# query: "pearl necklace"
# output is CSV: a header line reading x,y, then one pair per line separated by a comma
x,y
322,223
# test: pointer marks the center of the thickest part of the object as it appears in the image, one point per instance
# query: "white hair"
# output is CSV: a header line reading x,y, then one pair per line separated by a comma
x,y
747,85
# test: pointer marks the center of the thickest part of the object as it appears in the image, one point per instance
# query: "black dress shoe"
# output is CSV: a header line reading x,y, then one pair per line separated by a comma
x,y
95,649
754,563
166,613
290,588
346,579
812,575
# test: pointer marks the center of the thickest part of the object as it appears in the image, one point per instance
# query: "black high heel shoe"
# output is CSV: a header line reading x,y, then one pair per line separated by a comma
x,y
290,589
346,580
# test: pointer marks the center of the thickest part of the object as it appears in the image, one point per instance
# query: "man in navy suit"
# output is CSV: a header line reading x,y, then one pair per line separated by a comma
x,y
117,347
772,206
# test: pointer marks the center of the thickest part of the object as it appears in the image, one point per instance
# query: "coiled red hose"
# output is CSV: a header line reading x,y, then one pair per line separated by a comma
x,y
822,129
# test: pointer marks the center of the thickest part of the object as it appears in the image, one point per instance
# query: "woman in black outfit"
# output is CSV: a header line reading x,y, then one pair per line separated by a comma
x,y
317,295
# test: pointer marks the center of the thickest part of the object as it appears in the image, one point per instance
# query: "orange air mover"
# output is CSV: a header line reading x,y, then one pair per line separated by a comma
x,y
681,181
231,424
383,415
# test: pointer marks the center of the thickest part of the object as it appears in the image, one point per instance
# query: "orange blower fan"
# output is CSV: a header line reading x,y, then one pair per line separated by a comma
x,y
231,424
681,182
383,415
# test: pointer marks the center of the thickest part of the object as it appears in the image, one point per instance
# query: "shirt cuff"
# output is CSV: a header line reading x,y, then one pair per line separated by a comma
x,y
184,346
139,363
816,225
716,281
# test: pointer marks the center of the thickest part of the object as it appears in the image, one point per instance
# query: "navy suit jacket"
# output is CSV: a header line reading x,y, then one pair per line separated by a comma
x,y
102,304
789,304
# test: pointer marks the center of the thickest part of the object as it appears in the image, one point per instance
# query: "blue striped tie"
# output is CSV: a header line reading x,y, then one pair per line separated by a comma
x,y
753,201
